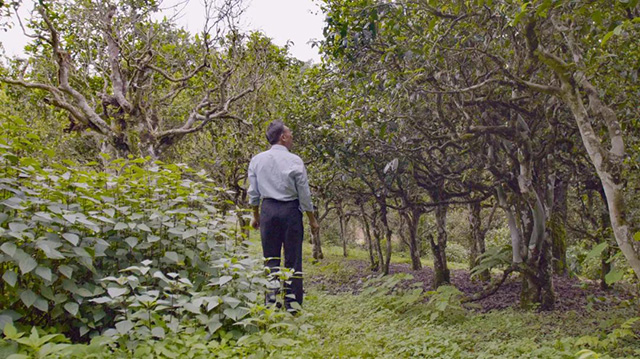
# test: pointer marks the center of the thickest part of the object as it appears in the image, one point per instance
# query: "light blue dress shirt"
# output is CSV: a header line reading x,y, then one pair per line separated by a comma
x,y
279,174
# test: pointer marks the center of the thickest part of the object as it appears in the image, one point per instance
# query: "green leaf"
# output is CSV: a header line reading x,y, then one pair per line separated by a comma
x,y
66,271
49,251
28,297
10,277
636,236
158,332
18,227
172,256
120,226
115,292
596,251
72,308
613,276
224,279
42,305
124,327
231,301
189,233
192,308
610,34
70,217
586,354
144,227
236,313
71,238
44,273
131,241
152,238
101,300
10,331
9,248
27,264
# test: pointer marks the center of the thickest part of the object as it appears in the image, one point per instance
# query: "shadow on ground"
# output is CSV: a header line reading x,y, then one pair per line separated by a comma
x,y
572,294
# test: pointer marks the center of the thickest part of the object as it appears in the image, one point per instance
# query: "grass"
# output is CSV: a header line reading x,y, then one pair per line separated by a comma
x,y
357,326
380,325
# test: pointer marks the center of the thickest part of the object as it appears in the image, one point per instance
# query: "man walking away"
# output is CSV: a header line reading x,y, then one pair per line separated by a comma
x,y
279,178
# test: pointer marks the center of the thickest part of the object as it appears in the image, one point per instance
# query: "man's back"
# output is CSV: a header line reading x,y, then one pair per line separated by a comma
x,y
279,174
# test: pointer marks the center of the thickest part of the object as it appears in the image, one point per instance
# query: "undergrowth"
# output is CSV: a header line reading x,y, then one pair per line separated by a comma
x,y
376,326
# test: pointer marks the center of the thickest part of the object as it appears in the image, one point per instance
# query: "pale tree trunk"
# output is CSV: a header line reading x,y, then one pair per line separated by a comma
x,y
608,164
531,242
514,231
538,276
605,225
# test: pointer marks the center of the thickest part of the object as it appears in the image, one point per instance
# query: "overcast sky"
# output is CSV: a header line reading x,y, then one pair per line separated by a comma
x,y
298,21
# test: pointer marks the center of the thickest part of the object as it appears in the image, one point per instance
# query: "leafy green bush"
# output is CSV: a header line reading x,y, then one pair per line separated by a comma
x,y
494,257
85,250
445,305
273,341
457,253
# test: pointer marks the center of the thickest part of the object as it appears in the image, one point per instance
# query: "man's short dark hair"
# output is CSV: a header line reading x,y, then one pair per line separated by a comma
x,y
274,131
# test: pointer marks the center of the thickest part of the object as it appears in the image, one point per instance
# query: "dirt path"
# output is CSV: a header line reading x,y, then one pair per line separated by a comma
x,y
571,293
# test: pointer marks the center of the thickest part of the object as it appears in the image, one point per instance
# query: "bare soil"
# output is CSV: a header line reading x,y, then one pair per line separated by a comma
x,y
572,294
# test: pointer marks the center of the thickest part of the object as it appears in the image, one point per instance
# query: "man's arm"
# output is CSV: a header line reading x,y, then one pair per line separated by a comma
x,y
254,195
304,196
315,227
255,222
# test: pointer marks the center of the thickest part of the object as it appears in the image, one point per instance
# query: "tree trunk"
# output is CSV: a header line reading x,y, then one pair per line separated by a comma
x,y
317,247
516,236
537,286
388,235
477,244
605,268
377,234
342,235
605,225
442,274
609,164
412,221
370,246
558,227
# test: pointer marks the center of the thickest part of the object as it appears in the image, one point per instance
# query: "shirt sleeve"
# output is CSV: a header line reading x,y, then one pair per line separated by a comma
x,y
254,193
304,193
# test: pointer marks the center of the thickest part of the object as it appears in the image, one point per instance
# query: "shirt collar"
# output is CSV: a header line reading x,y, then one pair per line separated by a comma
x,y
279,148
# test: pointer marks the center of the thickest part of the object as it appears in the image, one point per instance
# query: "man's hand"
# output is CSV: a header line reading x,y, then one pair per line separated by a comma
x,y
255,222
313,222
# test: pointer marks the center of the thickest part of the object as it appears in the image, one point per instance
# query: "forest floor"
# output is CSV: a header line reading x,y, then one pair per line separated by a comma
x,y
572,294
349,321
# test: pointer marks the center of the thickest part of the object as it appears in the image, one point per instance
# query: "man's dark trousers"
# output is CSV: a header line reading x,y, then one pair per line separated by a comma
x,y
281,225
